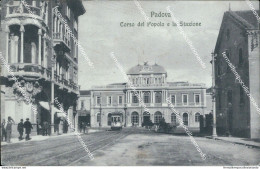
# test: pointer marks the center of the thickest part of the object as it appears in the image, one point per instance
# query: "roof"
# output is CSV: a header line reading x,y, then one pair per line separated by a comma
x,y
84,92
245,19
146,69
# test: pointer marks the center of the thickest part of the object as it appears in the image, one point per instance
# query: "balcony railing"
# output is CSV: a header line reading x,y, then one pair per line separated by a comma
x,y
35,70
59,37
28,10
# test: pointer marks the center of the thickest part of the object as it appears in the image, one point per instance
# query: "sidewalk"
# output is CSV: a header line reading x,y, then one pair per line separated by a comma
x,y
255,143
41,138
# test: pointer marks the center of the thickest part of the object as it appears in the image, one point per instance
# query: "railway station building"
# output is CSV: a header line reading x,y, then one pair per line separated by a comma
x,y
150,81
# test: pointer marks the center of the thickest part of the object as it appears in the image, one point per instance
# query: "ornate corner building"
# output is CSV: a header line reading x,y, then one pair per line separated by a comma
x,y
239,38
35,41
150,82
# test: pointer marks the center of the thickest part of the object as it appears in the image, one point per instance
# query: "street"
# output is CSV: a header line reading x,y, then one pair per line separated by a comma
x,y
131,146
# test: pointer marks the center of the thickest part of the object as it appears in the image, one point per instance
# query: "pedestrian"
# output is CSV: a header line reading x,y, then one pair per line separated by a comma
x,y
28,127
45,128
20,129
80,127
84,125
3,130
8,128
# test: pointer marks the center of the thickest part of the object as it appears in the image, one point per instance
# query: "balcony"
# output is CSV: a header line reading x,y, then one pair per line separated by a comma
x,y
59,38
29,70
25,10
35,71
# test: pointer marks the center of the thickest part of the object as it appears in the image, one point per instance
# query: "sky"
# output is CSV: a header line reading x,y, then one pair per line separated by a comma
x,y
100,33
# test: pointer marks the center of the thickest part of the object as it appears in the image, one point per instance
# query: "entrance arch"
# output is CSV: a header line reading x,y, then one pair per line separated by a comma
x,y
146,118
157,117
135,118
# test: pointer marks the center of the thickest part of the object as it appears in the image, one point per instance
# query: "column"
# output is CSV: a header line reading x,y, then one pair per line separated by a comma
x,y
7,44
54,23
131,97
44,48
40,47
153,97
22,40
126,97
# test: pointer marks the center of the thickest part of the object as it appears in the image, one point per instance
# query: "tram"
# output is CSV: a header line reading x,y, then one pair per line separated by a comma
x,y
116,121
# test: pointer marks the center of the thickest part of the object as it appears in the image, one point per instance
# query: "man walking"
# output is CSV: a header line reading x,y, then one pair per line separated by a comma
x,y
20,129
9,124
3,130
28,127
45,128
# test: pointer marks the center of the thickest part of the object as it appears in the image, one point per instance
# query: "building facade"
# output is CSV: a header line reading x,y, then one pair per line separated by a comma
x,y
150,82
83,108
239,38
36,44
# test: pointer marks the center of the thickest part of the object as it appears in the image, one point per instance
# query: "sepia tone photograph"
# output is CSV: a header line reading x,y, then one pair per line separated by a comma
x,y
130,83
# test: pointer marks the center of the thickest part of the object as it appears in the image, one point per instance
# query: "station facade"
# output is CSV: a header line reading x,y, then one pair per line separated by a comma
x,y
150,82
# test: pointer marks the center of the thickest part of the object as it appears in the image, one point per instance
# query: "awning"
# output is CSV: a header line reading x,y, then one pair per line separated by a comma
x,y
47,107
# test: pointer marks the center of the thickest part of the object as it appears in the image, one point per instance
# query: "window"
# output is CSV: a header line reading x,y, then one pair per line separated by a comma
x,y
229,96
185,119
158,97
109,100
82,104
157,117
173,118
228,34
98,100
68,12
228,56
185,99
242,100
135,99
120,100
75,24
134,118
197,99
98,118
240,55
147,97
173,99
197,117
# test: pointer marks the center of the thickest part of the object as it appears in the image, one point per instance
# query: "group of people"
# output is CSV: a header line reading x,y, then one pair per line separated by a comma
x,y
83,126
7,129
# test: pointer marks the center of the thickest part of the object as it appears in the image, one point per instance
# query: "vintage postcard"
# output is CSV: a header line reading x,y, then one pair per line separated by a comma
x,y
130,83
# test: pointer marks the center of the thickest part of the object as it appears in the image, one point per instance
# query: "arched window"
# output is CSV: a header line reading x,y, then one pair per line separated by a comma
x,y
240,54
185,119
157,117
98,117
134,118
173,118
197,117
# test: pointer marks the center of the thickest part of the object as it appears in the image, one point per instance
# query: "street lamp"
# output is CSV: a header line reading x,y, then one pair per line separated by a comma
x,y
125,108
100,110
214,132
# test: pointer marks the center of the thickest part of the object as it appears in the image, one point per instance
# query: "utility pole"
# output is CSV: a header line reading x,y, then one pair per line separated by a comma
x,y
125,108
52,78
100,122
214,132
